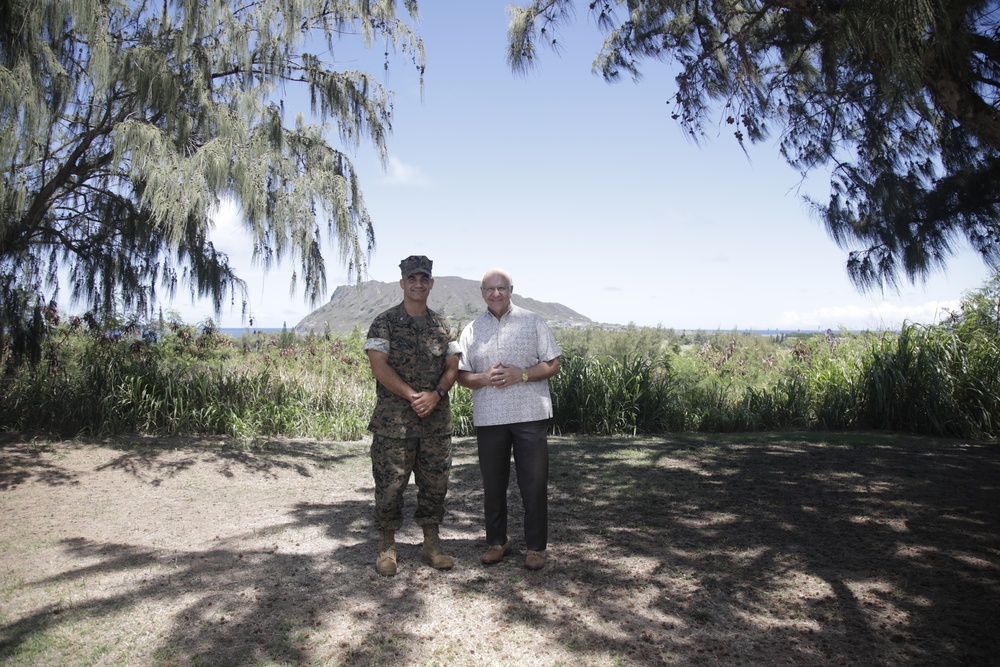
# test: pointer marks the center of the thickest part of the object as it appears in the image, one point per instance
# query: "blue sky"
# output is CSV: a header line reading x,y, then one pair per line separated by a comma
x,y
590,195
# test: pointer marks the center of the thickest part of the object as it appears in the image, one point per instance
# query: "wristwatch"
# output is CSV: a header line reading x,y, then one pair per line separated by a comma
x,y
524,376
440,392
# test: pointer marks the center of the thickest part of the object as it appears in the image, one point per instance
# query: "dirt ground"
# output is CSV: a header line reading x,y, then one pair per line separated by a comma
x,y
767,549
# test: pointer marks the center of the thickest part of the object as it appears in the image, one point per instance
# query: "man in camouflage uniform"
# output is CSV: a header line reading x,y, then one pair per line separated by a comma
x,y
414,358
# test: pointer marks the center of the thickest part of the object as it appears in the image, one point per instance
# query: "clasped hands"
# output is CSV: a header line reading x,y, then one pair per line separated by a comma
x,y
424,402
501,375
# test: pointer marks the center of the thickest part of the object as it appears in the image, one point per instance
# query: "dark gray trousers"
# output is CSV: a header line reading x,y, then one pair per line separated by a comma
x,y
529,443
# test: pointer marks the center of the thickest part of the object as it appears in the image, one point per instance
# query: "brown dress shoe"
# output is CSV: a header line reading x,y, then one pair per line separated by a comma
x,y
495,553
535,560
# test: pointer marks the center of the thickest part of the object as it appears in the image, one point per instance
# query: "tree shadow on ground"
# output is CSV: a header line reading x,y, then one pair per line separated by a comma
x,y
21,462
153,459
818,553
737,549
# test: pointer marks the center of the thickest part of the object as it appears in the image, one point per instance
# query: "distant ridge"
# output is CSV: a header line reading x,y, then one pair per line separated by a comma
x,y
457,299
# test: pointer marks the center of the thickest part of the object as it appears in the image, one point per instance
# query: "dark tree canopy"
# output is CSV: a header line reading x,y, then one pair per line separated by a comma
x,y
125,123
897,98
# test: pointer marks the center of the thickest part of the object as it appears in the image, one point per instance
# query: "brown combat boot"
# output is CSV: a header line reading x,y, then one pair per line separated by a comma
x,y
386,563
433,555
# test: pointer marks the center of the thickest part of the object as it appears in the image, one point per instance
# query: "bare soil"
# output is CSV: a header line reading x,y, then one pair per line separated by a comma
x,y
766,549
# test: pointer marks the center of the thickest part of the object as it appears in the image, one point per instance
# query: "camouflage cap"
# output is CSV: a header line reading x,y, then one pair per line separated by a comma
x,y
416,264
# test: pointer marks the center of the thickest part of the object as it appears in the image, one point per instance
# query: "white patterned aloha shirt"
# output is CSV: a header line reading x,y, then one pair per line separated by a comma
x,y
520,338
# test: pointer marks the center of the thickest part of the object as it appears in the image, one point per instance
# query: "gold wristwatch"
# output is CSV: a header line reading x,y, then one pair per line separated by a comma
x,y
524,376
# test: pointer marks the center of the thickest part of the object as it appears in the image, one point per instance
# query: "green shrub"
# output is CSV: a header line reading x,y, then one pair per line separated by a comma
x,y
931,381
605,395
172,378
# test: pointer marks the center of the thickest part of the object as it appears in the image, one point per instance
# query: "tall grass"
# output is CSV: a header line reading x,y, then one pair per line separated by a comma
x,y
461,411
942,380
183,383
931,380
607,396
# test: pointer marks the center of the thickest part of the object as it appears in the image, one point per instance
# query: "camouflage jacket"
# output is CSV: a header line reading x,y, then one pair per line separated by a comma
x,y
417,349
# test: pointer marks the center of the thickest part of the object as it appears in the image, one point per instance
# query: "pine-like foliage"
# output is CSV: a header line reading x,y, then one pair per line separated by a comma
x,y
898,99
125,123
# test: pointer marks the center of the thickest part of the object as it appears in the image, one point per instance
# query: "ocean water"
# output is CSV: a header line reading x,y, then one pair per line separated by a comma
x,y
236,333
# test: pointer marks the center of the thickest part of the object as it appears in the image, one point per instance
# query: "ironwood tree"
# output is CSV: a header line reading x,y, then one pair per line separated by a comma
x,y
898,99
125,123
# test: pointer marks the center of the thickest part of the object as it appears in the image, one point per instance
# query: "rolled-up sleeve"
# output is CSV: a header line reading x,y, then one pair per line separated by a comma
x,y
377,344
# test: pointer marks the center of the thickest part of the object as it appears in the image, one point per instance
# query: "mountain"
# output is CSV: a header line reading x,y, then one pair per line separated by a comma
x,y
457,299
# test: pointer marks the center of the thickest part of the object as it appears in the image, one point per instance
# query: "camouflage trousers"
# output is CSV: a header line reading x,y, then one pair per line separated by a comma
x,y
393,459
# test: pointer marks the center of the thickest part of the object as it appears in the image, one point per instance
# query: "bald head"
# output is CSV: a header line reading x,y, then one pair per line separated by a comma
x,y
497,273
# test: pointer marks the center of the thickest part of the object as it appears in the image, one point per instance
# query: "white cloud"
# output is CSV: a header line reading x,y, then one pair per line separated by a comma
x,y
401,173
881,316
227,216
229,235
